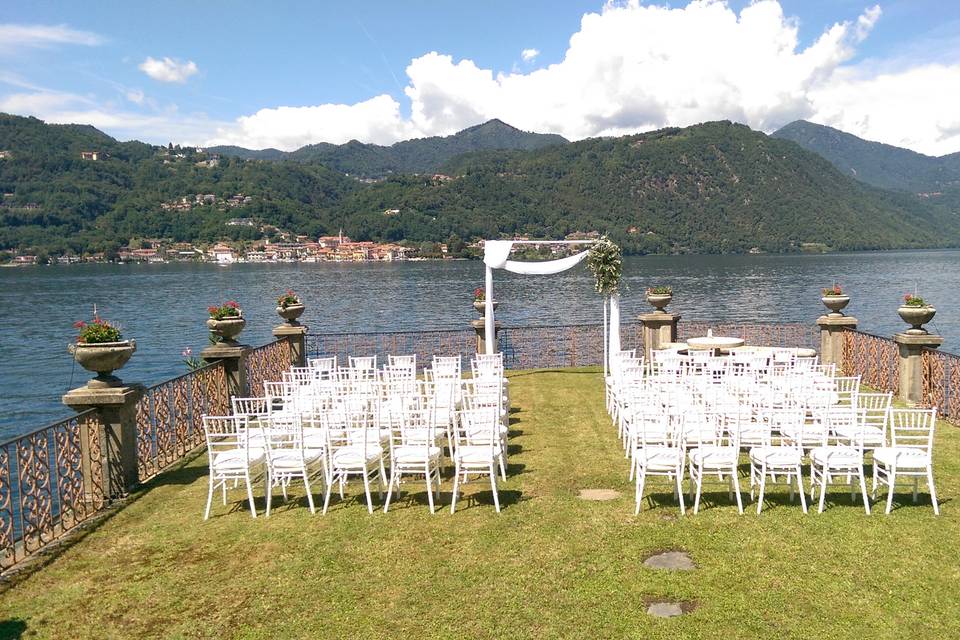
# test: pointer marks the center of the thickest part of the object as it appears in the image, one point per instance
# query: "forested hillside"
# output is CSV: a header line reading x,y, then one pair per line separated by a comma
x,y
715,187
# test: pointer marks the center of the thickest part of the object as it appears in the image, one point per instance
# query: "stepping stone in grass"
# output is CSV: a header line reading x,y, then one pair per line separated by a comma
x,y
599,494
670,561
665,609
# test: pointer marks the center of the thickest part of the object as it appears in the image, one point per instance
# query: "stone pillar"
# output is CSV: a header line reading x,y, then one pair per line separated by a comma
x,y
296,335
831,337
659,329
117,409
234,358
480,327
911,364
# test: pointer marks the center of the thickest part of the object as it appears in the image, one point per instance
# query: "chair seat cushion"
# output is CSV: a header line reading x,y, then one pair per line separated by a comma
x,y
476,454
237,458
412,454
903,457
285,458
836,456
776,456
871,435
714,456
659,457
352,456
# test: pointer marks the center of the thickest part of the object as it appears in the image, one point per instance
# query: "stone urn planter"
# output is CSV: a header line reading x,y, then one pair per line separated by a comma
x,y
835,304
291,312
227,329
659,301
481,306
916,317
103,358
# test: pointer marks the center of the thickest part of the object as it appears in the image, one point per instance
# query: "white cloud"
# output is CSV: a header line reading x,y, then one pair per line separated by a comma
x,y
529,55
168,69
17,36
630,67
375,120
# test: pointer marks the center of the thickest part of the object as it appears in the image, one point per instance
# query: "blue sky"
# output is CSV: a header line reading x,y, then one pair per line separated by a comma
x,y
234,66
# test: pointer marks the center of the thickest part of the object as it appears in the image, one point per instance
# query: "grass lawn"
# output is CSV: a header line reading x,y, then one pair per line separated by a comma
x,y
549,566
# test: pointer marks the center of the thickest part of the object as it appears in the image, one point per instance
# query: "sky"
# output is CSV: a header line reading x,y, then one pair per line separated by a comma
x,y
284,74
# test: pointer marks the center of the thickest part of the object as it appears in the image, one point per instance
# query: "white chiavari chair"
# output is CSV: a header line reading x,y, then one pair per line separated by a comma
x,y
910,454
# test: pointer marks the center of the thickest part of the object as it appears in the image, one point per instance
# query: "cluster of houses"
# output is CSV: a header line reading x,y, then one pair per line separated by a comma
x,y
200,199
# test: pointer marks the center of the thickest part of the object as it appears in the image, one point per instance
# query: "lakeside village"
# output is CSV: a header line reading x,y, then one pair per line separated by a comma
x,y
300,248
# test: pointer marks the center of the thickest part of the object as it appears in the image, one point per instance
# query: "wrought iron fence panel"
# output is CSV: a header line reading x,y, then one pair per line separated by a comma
x,y
267,364
874,358
168,417
941,383
765,334
48,485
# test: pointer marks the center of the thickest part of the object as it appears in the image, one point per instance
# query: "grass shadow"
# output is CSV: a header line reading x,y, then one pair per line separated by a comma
x,y
12,628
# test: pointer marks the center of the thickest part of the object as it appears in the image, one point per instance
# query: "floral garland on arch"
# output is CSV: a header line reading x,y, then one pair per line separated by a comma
x,y
605,261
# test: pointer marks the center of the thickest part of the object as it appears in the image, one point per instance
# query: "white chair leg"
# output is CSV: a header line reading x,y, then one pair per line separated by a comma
x,y
393,479
699,489
429,479
823,488
763,486
253,507
683,510
493,485
641,478
800,490
326,497
456,486
268,490
206,513
891,481
366,490
736,487
306,486
863,491
933,492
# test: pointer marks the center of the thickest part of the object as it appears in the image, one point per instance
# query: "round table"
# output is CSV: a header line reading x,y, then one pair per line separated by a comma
x,y
802,352
713,343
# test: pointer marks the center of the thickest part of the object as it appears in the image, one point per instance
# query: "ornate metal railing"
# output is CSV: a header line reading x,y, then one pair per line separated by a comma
x,y
560,346
169,417
941,383
874,358
766,334
51,480
425,344
267,363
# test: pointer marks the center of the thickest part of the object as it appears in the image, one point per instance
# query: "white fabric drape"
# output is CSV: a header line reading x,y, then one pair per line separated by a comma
x,y
614,323
545,268
495,253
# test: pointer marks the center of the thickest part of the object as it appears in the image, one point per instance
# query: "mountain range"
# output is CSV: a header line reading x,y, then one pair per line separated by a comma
x,y
713,187
421,155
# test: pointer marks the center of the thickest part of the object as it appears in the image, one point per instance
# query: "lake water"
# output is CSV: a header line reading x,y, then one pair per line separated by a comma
x,y
164,306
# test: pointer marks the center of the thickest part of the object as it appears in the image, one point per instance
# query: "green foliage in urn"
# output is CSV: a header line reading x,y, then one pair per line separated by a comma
x,y
97,331
912,300
226,310
835,290
606,263
288,299
660,291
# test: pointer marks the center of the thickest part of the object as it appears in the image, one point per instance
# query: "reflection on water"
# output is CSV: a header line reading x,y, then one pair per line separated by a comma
x,y
163,306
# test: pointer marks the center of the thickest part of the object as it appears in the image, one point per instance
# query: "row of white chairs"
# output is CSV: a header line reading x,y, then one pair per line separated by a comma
x,y
332,428
706,412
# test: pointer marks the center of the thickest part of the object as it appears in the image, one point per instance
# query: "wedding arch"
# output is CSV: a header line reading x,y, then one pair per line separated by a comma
x,y
605,266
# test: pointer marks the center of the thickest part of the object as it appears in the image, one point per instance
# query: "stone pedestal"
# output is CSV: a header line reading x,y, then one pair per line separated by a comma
x,y
296,334
659,330
117,407
911,364
480,327
234,358
831,337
